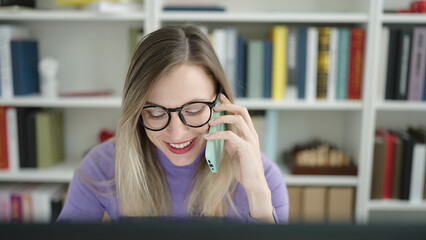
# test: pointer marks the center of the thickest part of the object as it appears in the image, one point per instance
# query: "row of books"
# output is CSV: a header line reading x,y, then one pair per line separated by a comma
x,y
31,203
399,165
321,204
18,62
30,138
404,63
294,63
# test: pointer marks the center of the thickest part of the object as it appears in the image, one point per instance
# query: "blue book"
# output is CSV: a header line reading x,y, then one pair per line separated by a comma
x,y
241,67
25,67
301,62
267,68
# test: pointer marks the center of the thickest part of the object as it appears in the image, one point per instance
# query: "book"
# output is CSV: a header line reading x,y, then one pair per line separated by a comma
x,y
267,67
418,165
241,77
397,170
291,91
332,67
231,60
255,68
301,62
4,151
7,33
295,197
405,179
315,204
271,125
417,66
381,86
403,64
356,63
12,138
279,61
392,62
389,139
49,138
323,61
378,168
25,67
311,64
27,138
342,63
340,205
5,203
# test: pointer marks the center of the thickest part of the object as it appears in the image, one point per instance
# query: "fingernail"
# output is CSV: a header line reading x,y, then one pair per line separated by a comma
x,y
206,135
223,95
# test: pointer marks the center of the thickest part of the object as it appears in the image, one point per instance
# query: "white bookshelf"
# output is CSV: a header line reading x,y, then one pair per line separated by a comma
x,y
396,205
350,124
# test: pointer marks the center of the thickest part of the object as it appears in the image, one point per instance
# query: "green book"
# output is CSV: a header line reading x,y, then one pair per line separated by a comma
x,y
255,51
342,63
49,138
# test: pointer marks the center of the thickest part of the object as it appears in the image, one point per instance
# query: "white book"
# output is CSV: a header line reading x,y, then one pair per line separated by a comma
x,y
381,83
291,90
311,64
417,173
7,33
332,66
231,58
42,197
12,138
259,122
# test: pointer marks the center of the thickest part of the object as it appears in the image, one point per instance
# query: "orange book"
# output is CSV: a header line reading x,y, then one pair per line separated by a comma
x,y
356,63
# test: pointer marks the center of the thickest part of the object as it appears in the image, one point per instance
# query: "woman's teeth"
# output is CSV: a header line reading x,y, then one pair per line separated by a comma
x,y
180,145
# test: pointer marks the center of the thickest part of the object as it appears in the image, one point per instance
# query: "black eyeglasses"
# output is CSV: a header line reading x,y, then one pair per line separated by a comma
x,y
192,114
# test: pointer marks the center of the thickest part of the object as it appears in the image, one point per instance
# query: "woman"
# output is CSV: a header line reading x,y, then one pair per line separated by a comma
x,y
155,166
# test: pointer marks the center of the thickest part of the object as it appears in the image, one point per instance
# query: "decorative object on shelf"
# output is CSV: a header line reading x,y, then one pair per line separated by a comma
x,y
415,7
105,134
48,68
319,158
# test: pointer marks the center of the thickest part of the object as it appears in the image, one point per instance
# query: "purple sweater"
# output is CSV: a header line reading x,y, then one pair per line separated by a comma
x,y
85,204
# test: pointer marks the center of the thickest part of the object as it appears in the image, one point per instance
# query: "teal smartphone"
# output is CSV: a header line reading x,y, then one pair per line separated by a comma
x,y
214,148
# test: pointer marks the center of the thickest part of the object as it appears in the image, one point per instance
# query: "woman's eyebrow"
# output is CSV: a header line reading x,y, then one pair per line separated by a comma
x,y
193,100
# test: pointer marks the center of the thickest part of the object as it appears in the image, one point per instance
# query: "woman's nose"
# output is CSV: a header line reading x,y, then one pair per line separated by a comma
x,y
176,127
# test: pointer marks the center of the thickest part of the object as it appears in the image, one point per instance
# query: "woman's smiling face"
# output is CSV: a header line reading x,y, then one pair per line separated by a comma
x,y
185,83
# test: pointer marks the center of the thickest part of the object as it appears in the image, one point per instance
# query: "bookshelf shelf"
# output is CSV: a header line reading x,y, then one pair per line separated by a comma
x,y
401,106
315,180
266,17
56,15
404,18
62,172
267,104
396,205
80,102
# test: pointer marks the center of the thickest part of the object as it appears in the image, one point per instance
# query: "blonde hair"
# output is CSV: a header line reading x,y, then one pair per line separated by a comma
x,y
142,189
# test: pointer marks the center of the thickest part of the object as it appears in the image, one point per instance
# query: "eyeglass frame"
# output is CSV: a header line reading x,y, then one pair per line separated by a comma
x,y
211,105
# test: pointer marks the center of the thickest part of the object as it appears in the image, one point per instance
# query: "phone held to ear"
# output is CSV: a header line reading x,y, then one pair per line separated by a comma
x,y
214,148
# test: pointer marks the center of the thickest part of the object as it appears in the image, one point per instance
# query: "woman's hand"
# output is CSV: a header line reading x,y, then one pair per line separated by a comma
x,y
246,160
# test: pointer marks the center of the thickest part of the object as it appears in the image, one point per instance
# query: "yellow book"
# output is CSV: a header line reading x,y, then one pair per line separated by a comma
x,y
279,61
323,61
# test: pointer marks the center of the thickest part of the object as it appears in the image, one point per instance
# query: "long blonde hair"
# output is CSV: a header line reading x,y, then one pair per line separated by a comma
x,y
142,189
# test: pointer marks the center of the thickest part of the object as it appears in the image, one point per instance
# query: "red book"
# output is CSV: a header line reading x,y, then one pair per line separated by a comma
x,y
390,140
356,63
4,152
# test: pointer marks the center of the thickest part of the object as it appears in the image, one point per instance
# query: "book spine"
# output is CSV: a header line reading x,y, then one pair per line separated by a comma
x,y
417,173
13,142
311,64
15,199
255,50
392,62
231,58
332,67
356,63
241,84
279,61
389,166
4,151
301,62
404,63
417,66
292,43
267,68
5,63
342,64
323,61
